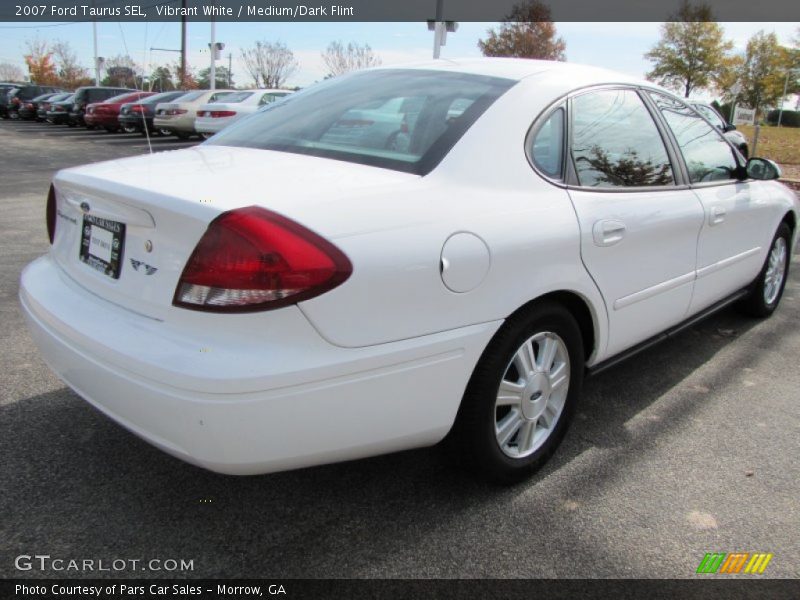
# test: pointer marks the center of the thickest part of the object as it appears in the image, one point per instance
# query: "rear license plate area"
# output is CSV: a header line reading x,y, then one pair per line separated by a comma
x,y
102,243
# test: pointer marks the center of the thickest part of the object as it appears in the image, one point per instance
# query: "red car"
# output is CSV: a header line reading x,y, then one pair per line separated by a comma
x,y
106,114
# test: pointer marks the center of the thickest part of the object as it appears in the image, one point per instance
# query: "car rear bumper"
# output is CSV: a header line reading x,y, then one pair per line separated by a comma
x,y
328,404
212,125
182,123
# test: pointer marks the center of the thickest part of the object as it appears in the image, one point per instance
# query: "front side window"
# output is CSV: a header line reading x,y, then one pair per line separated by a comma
x,y
615,142
401,119
707,155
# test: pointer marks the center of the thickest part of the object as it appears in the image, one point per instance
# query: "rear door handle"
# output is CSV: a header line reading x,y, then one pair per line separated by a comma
x,y
608,232
716,216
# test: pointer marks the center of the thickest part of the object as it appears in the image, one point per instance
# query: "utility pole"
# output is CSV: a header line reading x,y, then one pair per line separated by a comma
x,y
785,88
183,47
230,66
212,75
440,27
96,62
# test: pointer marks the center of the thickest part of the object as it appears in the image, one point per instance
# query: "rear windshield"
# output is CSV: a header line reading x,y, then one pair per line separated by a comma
x,y
401,119
233,97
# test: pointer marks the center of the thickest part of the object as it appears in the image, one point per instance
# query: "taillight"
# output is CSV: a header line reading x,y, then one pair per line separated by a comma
x,y
50,213
137,108
216,114
15,101
176,111
29,105
252,259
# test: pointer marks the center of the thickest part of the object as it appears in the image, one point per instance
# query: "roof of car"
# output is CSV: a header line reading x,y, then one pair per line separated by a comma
x,y
521,68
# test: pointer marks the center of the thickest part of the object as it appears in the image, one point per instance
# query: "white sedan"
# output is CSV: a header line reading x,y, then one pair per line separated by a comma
x,y
218,114
313,285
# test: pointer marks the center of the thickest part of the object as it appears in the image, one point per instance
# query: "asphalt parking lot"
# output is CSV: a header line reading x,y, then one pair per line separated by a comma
x,y
691,447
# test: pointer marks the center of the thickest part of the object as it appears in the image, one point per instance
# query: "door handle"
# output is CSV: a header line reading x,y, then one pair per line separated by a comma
x,y
608,232
717,215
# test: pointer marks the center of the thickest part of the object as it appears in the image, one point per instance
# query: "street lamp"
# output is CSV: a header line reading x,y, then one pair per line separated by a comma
x,y
785,88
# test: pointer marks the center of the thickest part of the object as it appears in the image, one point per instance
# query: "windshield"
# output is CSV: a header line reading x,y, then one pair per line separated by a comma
x,y
406,120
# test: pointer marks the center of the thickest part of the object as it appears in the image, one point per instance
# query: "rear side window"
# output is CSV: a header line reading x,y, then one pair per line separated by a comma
x,y
547,145
401,119
234,97
271,97
706,153
615,142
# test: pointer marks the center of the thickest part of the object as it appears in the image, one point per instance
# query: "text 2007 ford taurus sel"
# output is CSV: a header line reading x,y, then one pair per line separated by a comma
x,y
399,254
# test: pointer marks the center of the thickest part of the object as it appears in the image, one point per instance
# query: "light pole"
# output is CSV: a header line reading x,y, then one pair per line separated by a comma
x,y
440,27
785,88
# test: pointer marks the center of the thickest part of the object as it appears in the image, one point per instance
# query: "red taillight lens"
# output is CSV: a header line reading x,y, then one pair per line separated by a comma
x,y
137,108
16,101
252,259
50,213
216,114
29,106
176,111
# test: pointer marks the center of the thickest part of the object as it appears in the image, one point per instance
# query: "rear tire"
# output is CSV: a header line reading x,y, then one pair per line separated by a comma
x,y
130,129
766,291
522,395
181,135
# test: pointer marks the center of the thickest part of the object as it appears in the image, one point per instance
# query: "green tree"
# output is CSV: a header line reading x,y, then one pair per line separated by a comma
x,y
692,52
121,72
764,71
221,75
528,32
161,79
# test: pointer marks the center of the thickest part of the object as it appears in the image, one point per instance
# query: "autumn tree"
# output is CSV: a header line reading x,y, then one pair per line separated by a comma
x,y
70,72
764,71
692,52
528,32
39,60
10,72
340,59
270,64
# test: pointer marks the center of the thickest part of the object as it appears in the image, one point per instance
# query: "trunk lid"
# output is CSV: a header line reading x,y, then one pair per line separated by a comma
x,y
125,228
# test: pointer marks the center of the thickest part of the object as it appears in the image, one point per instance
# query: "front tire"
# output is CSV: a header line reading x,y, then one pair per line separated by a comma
x,y
766,291
522,395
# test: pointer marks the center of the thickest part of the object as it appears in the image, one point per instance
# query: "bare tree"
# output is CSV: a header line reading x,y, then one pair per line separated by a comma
x,y
270,64
9,72
340,59
71,73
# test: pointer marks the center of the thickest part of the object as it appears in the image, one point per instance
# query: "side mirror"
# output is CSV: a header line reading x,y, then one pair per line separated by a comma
x,y
763,169
728,127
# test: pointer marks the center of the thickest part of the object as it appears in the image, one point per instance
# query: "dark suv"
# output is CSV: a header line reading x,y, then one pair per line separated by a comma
x,y
6,87
84,96
25,93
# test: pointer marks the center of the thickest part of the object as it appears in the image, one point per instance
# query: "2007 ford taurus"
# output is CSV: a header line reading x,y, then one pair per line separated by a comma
x,y
399,255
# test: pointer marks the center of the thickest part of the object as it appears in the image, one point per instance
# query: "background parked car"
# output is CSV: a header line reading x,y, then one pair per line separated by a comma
x,y
44,105
179,115
106,114
27,110
220,113
59,111
6,87
84,96
728,129
136,116
25,93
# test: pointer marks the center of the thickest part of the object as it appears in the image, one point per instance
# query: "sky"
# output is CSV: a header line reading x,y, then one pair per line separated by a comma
x,y
617,46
